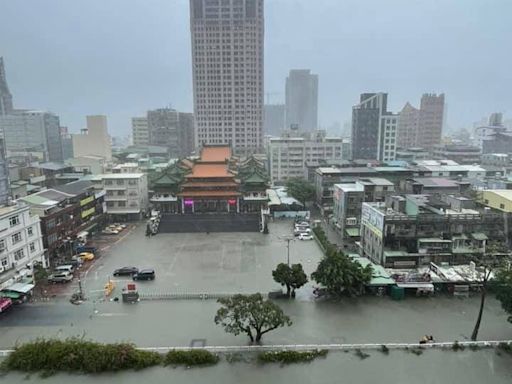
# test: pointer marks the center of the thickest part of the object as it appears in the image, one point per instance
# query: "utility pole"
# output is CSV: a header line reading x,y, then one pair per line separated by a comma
x,y
288,250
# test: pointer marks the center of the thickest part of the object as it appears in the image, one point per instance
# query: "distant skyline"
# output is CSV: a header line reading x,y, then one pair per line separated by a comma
x,y
123,57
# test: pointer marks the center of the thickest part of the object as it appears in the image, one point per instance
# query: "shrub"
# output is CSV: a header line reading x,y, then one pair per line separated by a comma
x,y
457,346
417,351
362,355
384,349
474,347
191,357
289,357
78,355
505,347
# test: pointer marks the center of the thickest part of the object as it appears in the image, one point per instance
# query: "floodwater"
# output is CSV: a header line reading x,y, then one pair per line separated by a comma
x,y
399,367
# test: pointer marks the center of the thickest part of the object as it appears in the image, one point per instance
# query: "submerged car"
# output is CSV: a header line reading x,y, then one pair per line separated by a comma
x,y
126,271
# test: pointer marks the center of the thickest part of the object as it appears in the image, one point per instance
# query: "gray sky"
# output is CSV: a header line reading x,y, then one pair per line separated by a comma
x,y
122,57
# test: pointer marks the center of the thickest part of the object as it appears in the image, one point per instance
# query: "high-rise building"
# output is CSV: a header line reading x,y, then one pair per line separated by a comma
x,y
172,129
227,63
67,143
5,190
430,125
5,95
274,119
302,100
93,140
373,128
37,132
140,132
407,133
421,128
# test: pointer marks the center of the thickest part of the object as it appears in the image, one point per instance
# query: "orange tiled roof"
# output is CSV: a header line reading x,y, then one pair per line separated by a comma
x,y
209,170
215,153
209,194
199,184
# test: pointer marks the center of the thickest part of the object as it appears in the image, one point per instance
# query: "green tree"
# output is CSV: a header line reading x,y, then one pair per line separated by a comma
x,y
503,288
250,314
341,275
300,189
292,277
486,267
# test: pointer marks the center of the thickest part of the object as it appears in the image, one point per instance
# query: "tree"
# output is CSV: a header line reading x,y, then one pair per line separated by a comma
x,y
250,314
292,277
300,189
503,288
486,267
341,275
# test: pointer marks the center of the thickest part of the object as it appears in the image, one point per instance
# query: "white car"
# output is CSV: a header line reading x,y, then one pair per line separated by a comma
x,y
299,231
305,236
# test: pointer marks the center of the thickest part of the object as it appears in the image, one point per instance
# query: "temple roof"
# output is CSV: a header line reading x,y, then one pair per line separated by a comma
x,y
214,154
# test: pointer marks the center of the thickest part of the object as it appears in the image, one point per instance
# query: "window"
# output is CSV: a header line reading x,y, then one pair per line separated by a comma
x,y
132,182
32,247
52,238
108,182
4,261
14,220
16,238
121,204
2,245
120,182
120,193
19,254
30,231
502,206
110,204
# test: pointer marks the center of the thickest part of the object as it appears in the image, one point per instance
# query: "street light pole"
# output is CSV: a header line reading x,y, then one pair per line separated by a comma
x,y
288,250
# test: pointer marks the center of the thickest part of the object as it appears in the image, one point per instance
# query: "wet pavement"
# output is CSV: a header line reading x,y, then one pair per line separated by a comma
x,y
242,262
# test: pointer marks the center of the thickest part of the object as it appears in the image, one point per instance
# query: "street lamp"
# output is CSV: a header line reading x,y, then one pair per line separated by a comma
x,y
288,239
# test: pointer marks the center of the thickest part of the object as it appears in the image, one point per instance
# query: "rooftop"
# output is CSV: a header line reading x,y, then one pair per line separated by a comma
x,y
505,193
350,187
215,153
9,209
433,182
120,176
75,187
376,181
209,170
51,166
333,170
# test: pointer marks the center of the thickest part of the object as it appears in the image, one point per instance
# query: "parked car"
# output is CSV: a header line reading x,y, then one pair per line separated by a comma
x,y
145,274
84,248
126,271
60,277
65,268
86,256
109,231
305,236
76,262
297,232
302,224
5,303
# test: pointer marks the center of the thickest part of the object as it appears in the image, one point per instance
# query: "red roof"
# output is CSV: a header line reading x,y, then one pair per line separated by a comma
x,y
215,154
213,183
209,170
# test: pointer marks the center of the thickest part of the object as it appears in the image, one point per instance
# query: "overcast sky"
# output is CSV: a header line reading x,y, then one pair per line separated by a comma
x,y
122,57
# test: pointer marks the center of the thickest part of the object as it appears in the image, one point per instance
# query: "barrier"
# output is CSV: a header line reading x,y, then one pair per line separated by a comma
x,y
186,295
309,347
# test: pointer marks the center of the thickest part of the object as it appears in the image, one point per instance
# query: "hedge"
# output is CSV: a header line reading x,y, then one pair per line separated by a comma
x,y
191,357
289,357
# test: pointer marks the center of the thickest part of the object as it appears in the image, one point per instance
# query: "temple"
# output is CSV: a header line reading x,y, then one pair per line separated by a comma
x,y
216,182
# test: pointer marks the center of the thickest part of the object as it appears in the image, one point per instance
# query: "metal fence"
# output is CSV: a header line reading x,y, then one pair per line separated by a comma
x,y
187,295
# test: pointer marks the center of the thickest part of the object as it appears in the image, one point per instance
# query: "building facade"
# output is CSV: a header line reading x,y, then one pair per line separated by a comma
x,y
93,140
373,128
287,156
274,119
126,194
227,67
302,100
32,132
5,95
431,118
462,154
67,144
21,243
172,129
140,131
407,132
5,191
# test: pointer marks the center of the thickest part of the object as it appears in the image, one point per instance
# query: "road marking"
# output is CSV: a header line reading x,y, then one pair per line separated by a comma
x,y
111,314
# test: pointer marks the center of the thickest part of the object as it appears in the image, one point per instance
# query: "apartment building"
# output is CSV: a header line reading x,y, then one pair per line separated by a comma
x,y
21,243
126,194
140,131
287,156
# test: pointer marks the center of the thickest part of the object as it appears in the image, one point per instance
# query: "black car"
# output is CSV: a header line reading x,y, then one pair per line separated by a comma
x,y
126,271
145,274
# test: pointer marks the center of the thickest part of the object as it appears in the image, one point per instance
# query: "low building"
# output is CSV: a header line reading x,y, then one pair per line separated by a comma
x,y
499,199
66,211
287,156
21,244
462,154
89,164
431,185
414,230
126,194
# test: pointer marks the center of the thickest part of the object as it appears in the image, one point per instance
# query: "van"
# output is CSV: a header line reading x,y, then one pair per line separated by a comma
x,y
65,268
60,277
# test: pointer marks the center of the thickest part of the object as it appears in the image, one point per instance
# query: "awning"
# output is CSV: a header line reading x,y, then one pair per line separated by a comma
x,y
460,237
479,236
10,294
352,232
418,285
20,287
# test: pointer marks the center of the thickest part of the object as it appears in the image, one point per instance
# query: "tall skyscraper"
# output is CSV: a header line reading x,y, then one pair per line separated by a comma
x,y
373,128
5,95
93,140
37,132
172,129
227,67
422,127
302,100
274,119
430,126
407,135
